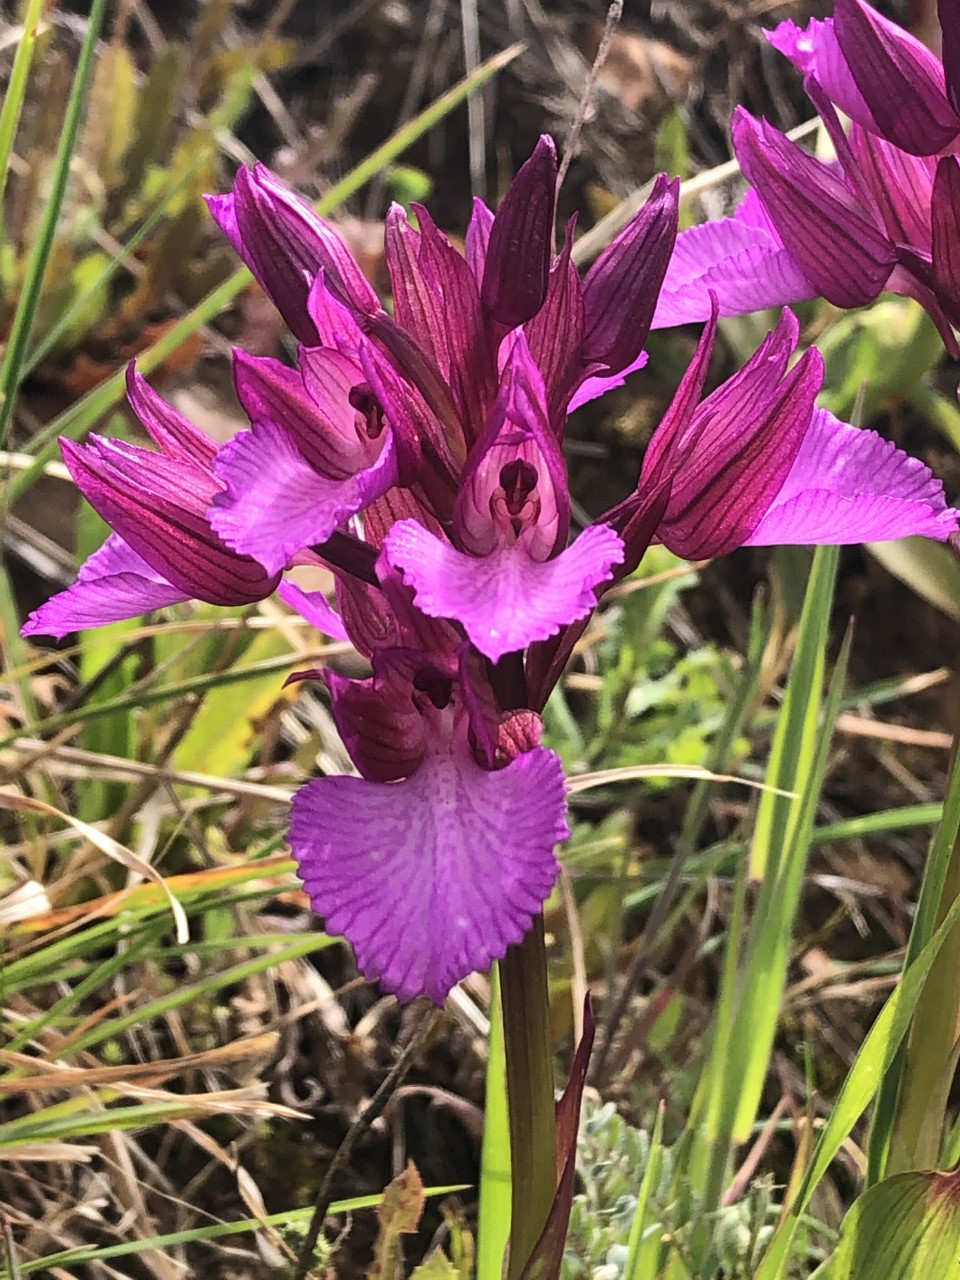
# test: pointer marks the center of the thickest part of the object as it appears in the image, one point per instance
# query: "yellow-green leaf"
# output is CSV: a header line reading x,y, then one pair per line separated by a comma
x,y
221,735
905,1228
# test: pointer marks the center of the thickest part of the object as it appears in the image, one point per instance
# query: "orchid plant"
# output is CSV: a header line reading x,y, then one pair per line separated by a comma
x,y
417,453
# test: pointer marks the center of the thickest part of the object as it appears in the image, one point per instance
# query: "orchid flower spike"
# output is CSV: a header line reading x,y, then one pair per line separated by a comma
x,y
417,453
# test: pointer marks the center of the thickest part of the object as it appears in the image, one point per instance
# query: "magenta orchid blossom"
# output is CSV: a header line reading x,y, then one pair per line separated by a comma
x,y
883,216
418,454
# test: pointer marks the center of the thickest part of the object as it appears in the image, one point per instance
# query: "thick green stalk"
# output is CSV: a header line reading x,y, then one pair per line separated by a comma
x,y
533,1143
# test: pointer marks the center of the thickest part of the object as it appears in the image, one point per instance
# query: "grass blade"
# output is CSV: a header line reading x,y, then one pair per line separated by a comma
x,y
936,1011
16,90
10,369
877,1054
644,1252
215,1231
782,834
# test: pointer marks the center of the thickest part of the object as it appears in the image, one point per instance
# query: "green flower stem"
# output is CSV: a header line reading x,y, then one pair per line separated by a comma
x,y
533,1144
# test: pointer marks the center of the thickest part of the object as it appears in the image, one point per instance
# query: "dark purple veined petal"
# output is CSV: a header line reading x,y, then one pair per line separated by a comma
x,y
945,219
381,727
520,245
158,506
173,434
837,245
949,13
285,244
899,184
555,334
729,458
901,81
621,288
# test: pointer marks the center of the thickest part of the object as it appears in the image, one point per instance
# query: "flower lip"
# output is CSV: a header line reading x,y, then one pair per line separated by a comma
x,y
470,850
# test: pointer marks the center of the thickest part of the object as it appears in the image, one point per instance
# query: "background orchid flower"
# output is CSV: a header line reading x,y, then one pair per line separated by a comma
x,y
879,217
881,76
163,550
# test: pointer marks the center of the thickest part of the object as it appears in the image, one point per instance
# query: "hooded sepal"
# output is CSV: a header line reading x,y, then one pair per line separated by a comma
x,y
285,244
948,12
900,80
730,457
158,505
520,244
845,255
555,334
621,288
508,580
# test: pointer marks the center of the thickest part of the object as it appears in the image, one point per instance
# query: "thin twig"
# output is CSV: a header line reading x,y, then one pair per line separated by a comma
x,y
362,1123
614,14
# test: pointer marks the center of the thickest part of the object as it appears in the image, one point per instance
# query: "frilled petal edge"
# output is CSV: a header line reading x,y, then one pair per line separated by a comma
x,y
433,877
505,600
850,485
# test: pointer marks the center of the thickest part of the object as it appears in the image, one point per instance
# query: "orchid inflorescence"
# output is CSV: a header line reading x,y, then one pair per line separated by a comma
x,y
418,454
